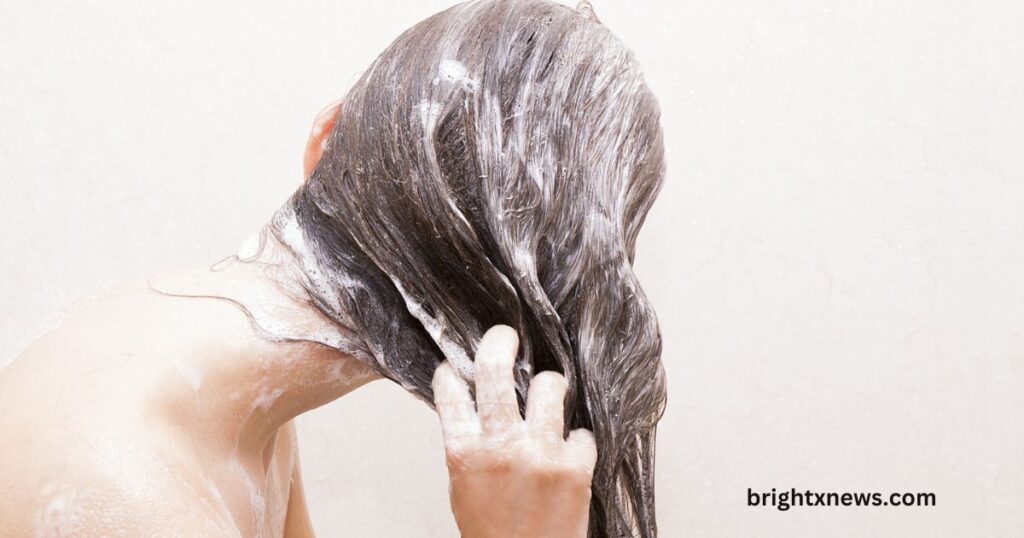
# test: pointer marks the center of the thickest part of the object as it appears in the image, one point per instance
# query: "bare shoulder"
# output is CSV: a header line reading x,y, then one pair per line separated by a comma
x,y
128,419
80,453
109,486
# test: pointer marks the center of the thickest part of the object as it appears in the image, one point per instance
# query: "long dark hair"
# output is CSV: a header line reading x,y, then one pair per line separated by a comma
x,y
494,165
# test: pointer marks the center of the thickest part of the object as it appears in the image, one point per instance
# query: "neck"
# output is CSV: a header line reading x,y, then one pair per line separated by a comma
x,y
281,361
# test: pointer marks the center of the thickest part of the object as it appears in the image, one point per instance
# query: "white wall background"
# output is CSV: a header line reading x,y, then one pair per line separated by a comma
x,y
836,256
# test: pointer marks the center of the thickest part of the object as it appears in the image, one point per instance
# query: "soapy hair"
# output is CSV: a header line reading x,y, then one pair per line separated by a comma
x,y
494,166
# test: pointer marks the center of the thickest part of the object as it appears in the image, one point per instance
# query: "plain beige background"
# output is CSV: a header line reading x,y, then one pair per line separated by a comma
x,y
836,255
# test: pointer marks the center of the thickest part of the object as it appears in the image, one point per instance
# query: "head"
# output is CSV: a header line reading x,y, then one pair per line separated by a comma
x,y
494,166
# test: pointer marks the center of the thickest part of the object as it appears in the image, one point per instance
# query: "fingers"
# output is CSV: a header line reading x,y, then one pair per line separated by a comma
x,y
545,405
495,385
582,445
454,404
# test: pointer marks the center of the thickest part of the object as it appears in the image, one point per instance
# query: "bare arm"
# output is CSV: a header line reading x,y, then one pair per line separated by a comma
x,y
297,523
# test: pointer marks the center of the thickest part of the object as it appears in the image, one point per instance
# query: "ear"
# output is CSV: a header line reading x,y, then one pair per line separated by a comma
x,y
322,126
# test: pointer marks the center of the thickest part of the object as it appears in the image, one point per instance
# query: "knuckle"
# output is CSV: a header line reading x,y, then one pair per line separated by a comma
x,y
480,456
540,461
457,451
458,461
541,470
498,410
496,360
559,472
499,465
453,460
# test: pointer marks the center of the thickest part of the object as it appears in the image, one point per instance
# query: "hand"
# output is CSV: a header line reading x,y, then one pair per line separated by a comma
x,y
509,477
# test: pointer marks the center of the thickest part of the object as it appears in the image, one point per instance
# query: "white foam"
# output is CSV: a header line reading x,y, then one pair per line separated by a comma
x,y
455,71
193,376
291,235
251,247
452,351
266,399
430,111
256,498
60,517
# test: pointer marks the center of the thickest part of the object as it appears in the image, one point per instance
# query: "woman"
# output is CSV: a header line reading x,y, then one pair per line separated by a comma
x,y
468,221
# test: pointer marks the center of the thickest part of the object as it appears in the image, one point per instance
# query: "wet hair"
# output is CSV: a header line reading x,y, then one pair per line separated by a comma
x,y
494,166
